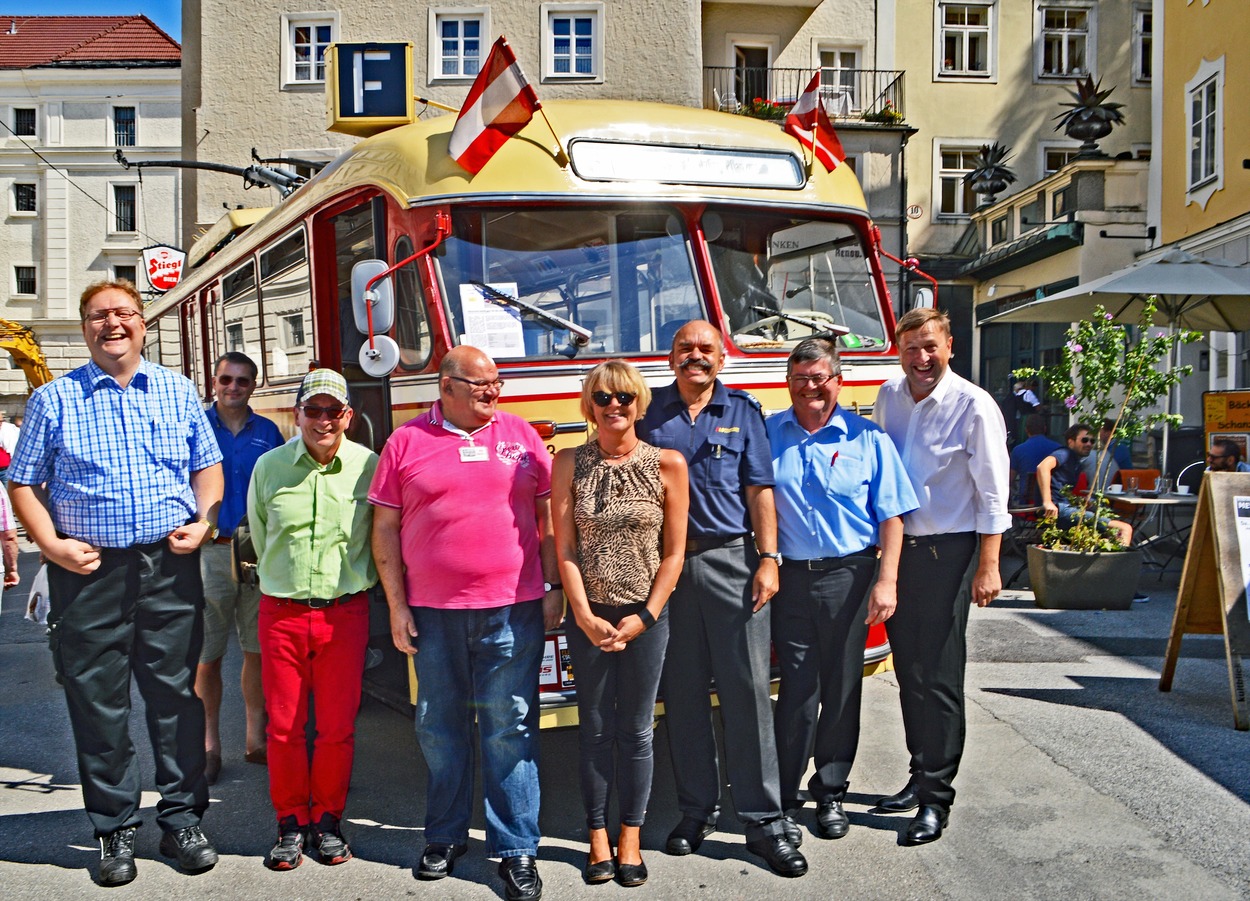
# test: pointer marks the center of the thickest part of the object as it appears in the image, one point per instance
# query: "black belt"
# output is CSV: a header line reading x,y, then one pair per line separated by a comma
x,y
322,603
711,542
823,564
937,539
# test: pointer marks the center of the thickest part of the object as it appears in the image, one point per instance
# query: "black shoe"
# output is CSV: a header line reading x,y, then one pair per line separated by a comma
x,y
902,802
194,851
212,766
688,835
792,831
439,860
632,875
117,857
781,856
927,826
288,853
831,820
327,838
520,878
597,873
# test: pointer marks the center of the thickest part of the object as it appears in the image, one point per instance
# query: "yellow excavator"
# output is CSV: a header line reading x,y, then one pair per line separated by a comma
x,y
22,344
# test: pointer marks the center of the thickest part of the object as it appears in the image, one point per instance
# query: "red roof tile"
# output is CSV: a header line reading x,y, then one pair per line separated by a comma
x,y
30,41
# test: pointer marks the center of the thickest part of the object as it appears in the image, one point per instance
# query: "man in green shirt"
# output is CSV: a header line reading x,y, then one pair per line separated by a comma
x,y
310,518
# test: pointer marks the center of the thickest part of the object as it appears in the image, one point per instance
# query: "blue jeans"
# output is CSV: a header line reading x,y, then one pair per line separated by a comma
x,y
483,665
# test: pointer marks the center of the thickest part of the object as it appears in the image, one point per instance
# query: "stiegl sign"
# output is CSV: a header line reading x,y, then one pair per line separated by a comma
x,y
163,264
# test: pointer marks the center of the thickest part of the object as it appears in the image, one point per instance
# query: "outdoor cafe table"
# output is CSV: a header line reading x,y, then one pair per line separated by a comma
x,y
1160,514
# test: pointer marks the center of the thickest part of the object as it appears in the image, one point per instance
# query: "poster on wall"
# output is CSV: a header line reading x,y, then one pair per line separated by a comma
x,y
1226,417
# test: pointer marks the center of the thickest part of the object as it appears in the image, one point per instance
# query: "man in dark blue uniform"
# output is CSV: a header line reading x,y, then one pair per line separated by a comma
x,y
718,626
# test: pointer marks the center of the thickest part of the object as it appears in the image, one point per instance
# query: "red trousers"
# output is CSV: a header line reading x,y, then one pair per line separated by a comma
x,y
322,653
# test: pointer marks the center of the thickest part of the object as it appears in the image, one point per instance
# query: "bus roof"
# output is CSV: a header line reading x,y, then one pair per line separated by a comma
x,y
222,232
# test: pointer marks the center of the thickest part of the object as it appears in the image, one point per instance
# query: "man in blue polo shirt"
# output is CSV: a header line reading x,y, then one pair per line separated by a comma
x,y
718,627
841,493
117,478
229,605
1027,454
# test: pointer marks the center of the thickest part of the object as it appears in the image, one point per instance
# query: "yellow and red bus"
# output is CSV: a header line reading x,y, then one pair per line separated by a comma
x,y
647,217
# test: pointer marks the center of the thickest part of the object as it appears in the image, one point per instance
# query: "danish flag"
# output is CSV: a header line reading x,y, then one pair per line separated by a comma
x,y
500,103
809,123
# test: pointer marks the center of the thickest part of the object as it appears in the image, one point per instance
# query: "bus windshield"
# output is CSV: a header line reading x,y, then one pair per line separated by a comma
x,y
783,278
514,278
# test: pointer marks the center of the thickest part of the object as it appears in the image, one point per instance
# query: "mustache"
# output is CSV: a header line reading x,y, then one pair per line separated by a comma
x,y
695,363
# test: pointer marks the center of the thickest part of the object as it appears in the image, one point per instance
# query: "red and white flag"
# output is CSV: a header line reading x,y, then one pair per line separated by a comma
x,y
810,124
500,103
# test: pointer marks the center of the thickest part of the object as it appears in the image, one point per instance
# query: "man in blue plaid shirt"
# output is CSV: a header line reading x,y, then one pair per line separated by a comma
x,y
117,477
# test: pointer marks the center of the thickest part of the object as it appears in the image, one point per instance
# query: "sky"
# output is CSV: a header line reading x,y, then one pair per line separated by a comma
x,y
165,13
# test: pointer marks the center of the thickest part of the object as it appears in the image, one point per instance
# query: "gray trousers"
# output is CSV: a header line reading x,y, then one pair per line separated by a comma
x,y
714,635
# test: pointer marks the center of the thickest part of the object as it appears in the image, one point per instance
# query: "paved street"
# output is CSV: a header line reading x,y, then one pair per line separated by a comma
x,y
1081,780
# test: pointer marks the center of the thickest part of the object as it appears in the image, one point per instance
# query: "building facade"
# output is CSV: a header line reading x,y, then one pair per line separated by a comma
x,y
73,91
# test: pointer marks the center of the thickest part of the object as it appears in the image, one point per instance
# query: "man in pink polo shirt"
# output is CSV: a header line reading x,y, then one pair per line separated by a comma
x,y
464,548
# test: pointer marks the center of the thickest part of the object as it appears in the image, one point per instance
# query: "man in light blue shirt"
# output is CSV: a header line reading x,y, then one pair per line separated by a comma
x,y
841,492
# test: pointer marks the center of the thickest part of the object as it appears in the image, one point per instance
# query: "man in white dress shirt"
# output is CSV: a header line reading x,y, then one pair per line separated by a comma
x,y
953,441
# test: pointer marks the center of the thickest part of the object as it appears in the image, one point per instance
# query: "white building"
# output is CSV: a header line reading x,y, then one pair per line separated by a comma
x,y
73,90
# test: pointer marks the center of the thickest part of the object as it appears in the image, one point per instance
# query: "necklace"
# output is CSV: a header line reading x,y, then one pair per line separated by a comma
x,y
616,456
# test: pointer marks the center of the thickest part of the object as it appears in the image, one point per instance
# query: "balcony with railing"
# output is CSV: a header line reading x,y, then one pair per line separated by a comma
x,y
869,95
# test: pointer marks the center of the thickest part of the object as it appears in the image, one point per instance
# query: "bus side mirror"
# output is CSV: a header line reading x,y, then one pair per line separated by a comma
x,y
381,298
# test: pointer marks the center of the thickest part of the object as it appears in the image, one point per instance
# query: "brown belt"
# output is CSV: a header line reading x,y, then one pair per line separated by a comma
x,y
222,539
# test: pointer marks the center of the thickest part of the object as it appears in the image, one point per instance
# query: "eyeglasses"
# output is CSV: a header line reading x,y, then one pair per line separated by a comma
x,y
1085,440
603,398
323,412
124,314
816,381
241,380
480,384
1217,456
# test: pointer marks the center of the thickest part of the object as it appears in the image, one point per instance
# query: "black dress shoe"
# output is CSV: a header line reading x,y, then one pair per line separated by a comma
x,y
596,873
520,878
782,857
792,831
117,857
688,835
831,820
439,860
192,848
927,826
632,875
902,802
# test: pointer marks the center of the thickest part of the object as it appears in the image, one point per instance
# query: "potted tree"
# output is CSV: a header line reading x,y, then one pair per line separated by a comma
x,y
1104,373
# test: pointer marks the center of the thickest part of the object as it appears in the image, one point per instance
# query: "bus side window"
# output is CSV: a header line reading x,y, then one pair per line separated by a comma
x,y
412,328
354,241
240,307
194,368
286,292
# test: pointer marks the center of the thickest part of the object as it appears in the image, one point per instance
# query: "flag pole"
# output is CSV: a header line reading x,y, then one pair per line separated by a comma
x,y
437,105
561,157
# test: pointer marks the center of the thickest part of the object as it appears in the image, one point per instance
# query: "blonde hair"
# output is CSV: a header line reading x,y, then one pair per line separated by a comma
x,y
919,318
615,375
119,284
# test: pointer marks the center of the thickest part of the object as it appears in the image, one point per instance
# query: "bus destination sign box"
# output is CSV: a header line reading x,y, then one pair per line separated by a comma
x,y
368,87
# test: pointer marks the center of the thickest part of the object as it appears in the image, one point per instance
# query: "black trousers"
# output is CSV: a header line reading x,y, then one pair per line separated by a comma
x,y
927,635
819,635
713,634
139,614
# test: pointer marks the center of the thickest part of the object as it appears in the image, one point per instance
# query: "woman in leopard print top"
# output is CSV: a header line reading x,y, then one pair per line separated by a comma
x,y
619,507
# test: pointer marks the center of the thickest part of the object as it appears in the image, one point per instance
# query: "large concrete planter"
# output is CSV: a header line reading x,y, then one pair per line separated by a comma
x,y
1068,580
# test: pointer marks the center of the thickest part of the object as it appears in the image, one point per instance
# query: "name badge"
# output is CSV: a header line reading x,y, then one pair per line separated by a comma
x,y
473,454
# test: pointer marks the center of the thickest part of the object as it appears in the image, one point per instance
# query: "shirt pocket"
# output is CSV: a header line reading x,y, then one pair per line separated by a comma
x,y
723,460
847,477
170,444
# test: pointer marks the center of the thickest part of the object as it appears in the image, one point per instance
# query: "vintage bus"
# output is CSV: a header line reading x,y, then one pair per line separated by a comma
x,y
552,263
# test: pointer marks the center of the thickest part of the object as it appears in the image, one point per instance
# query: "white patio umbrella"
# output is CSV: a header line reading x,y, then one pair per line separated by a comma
x,y
1206,295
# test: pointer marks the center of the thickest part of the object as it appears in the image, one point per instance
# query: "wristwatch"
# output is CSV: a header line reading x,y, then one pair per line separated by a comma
x,y
551,586
213,531
772,555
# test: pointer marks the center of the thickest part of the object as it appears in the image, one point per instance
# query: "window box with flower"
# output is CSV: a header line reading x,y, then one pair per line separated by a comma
x,y
1107,371
759,108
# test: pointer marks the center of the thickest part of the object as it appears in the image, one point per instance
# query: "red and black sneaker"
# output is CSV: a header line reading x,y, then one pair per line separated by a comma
x,y
328,840
288,853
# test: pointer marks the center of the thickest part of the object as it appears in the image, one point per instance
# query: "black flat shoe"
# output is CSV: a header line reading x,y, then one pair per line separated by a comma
x,y
439,860
687,836
631,875
596,873
520,878
927,826
831,820
902,802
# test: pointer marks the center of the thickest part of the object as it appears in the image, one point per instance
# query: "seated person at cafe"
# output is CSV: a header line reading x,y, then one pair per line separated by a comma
x,y
1108,457
1061,469
1026,455
1225,456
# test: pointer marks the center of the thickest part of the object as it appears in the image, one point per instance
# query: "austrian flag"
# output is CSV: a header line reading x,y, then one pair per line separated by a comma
x,y
500,103
809,123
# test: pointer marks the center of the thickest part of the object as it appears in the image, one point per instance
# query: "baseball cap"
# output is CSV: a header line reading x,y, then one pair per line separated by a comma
x,y
323,381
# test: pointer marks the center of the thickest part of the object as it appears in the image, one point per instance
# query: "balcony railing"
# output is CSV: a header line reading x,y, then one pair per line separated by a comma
x,y
872,95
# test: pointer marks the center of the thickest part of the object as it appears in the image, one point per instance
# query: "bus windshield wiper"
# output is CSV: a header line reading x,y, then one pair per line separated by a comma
x,y
579,335
819,329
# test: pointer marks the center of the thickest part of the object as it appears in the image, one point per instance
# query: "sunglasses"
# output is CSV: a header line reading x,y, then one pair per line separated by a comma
x,y
241,380
1085,440
323,412
603,398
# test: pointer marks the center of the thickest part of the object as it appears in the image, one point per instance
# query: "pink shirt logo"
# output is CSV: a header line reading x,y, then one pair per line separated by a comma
x,y
513,453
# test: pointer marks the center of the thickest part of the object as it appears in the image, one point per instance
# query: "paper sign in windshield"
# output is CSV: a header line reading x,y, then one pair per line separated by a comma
x,y
490,326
